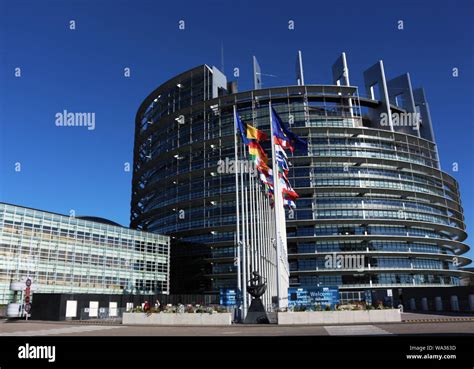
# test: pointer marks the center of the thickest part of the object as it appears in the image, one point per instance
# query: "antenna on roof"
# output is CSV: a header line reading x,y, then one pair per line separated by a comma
x,y
299,69
257,75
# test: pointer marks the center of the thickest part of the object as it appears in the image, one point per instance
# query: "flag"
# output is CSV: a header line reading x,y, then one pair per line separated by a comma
x,y
266,179
290,194
251,137
259,157
256,134
283,136
265,169
286,189
283,139
282,161
248,132
289,203
241,128
284,143
257,153
280,150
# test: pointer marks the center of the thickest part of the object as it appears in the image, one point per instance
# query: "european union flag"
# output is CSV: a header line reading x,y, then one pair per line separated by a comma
x,y
241,128
282,132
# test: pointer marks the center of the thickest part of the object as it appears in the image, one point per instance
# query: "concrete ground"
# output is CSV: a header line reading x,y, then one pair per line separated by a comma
x,y
35,328
437,316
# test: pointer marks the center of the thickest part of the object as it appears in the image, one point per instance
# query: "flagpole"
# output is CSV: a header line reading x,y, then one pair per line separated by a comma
x,y
246,245
252,223
244,253
260,234
237,206
277,206
272,245
262,231
255,225
264,240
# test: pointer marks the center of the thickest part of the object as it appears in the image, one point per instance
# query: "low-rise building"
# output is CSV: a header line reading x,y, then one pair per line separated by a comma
x,y
65,254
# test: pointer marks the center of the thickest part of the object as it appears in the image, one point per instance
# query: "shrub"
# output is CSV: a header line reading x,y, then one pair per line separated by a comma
x,y
210,310
221,309
299,308
189,309
169,309
182,309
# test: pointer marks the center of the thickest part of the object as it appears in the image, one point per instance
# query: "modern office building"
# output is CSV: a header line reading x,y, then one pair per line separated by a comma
x,y
82,255
370,182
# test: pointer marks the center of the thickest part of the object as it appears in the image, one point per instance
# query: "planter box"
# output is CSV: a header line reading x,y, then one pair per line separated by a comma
x,y
177,319
339,317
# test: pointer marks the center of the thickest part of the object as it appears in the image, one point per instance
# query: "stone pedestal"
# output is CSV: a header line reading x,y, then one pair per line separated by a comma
x,y
256,313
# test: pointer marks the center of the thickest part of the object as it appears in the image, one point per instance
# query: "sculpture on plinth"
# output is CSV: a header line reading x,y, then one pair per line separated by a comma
x,y
256,288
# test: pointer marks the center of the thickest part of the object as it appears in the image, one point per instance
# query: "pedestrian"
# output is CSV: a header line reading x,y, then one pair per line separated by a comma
x,y
157,305
146,306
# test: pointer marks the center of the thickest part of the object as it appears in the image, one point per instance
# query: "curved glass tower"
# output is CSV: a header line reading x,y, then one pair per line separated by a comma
x,y
370,184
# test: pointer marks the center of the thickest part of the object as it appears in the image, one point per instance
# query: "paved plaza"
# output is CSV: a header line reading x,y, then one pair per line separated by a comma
x,y
22,328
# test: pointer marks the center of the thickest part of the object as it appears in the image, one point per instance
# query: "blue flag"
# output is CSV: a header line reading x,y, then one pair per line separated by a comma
x,y
242,129
284,134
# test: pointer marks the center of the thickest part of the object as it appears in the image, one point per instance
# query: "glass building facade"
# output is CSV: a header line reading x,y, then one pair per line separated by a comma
x,y
365,189
63,254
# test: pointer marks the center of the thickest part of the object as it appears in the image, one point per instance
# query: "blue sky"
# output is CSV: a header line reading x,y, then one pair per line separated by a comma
x,y
81,70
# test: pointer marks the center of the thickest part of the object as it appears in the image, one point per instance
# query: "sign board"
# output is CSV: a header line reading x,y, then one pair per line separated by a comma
x,y
71,308
228,297
93,309
368,297
112,309
389,293
313,296
28,282
27,307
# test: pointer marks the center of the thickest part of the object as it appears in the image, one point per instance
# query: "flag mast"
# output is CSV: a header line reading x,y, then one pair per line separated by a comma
x,y
238,238
282,277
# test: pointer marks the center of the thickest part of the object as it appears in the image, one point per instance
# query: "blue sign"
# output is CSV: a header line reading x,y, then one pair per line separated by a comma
x,y
313,296
368,297
227,297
